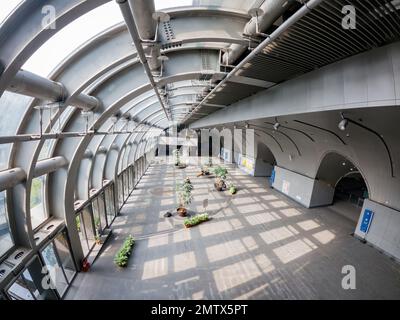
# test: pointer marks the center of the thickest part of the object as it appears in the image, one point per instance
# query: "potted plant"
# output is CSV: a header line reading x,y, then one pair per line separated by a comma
x,y
98,239
220,173
185,196
177,157
204,171
232,189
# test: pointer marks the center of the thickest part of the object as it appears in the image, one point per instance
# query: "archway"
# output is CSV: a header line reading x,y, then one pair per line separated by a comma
x,y
265,161
350,187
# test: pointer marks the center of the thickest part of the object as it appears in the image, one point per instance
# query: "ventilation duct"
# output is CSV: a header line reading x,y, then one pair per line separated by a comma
x,y
272,10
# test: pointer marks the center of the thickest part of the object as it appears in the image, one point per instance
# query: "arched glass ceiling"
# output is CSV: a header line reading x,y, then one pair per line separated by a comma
x,y
64,42
226,4
7,6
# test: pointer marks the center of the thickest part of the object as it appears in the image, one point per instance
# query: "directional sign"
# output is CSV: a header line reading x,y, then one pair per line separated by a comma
x,y
366,220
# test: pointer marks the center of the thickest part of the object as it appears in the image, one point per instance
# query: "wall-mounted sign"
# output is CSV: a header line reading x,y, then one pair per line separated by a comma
x,y
246,164
272,177
366,220
285,186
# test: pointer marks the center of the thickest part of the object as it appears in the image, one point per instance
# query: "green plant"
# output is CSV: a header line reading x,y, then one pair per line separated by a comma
x,y
122,256
78,223
195,220
220,172
185,196
177,157
232,189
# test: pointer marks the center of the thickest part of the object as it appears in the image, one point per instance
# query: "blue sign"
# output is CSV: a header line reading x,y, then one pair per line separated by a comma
x,y
366,220
272,177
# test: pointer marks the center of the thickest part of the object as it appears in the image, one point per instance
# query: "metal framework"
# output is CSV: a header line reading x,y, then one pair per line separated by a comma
x,y
92,125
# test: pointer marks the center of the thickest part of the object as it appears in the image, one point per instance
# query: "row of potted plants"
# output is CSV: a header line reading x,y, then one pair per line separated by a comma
x,y
122,256
195,220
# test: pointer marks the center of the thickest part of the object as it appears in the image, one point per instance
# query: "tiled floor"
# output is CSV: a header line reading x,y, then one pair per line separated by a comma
x,y
258,245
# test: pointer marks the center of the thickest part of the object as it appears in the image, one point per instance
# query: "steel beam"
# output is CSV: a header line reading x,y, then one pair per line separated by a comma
x,y
127,14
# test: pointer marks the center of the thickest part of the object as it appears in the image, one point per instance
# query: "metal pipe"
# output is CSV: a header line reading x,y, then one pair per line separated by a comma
x,y
49,165
33,85
304,10
142,11
11,177
128,17
30,84
272,9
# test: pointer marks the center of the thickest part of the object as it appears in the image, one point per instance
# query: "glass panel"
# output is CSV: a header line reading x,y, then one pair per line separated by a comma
x,y
126,185
120,191
87,218
6,241
31,284
4,151
7,7
55,270
131,178
110,203
64,253
163,4
38,213
78,32
82,236
19,290
99,214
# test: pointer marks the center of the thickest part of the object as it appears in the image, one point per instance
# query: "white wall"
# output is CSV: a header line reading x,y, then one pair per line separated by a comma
x,y
306,191
322,194
384,229
263,168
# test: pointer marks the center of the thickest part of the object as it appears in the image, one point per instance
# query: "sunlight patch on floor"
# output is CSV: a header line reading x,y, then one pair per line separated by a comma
x,y
184,261
293,250
225,250
324,237
261,218
308,225
155,268
235,274
157,241
277,234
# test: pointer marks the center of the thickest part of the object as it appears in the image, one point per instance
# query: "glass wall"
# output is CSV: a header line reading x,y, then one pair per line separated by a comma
x,y
85,226
56,272
110,203
126,184
99,213
6,241
120,191
64,253
32,284
131,178
38,210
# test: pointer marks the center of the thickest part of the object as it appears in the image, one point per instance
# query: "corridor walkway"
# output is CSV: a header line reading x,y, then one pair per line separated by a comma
x,y
258,245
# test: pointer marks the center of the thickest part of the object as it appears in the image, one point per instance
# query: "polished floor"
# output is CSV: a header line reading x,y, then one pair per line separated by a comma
x,y
258,245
